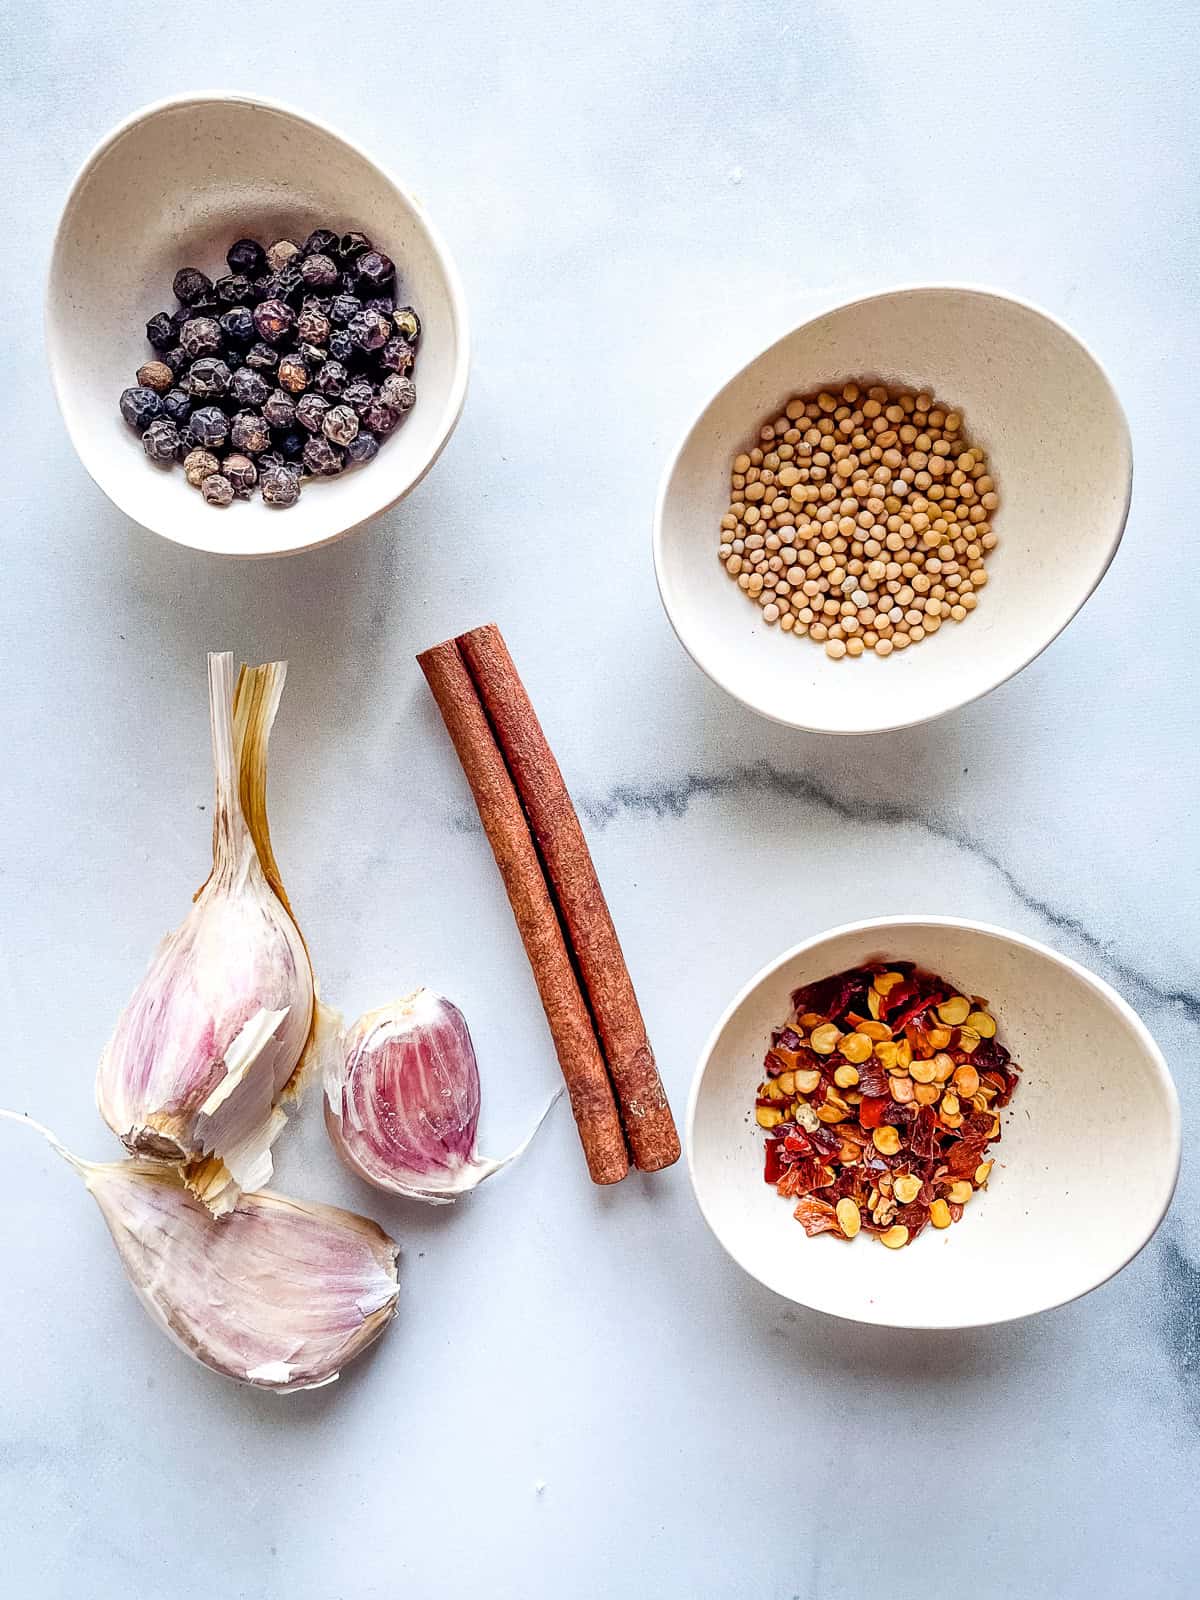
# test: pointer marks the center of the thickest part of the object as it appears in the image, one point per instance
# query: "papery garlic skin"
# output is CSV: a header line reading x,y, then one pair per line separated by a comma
x,y
402,1100
215,1030
280,1293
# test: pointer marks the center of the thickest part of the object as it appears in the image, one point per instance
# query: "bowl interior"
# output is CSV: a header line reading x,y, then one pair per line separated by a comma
x,y
1059,449
1085,1166
176,187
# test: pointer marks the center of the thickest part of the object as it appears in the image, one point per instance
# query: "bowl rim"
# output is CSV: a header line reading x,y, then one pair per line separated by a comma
x,y
1105,990
460,324
981,291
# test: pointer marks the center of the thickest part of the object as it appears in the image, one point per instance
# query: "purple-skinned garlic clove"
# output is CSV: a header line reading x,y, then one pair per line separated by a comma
x,y
278,1293
402,1101
218,1029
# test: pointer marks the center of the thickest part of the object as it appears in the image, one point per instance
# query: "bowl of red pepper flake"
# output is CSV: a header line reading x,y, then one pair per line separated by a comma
x,y
993,1114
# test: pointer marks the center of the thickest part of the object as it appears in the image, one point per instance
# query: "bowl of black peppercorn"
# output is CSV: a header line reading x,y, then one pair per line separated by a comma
x,y
257,339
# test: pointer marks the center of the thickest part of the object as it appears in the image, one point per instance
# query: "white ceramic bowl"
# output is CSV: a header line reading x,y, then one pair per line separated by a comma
x,y
1085,1167
174,186
1058,442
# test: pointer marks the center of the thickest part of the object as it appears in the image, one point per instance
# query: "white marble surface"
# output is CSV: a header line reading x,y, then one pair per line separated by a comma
x,y
582,1396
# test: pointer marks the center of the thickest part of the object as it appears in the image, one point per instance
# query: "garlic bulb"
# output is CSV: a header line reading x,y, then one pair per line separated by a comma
x,y
279,1293
402,1101
216,1029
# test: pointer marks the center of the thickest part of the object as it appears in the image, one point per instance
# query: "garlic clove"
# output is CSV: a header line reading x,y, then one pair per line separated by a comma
x,y
281,1294
402,1100
216,1033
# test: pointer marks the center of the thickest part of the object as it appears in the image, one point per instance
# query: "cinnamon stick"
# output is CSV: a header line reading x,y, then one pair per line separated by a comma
x,y
504,822
649,1126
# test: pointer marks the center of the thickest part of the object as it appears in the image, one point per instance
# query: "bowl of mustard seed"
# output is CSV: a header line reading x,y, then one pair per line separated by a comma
x,y
892,509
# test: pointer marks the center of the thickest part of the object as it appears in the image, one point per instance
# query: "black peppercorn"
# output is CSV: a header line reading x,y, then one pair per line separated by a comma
x,y
312,326
370,330
160,330
262,358
177,405
380,302
287,284
280,488
363,447
250,433
313,355
407,324
311,411
342,346
247,256
155,375
293,374
343,309
238,325
321,458
242,474
378,418
291,449
375,270
217,490
398,394
331,378
191,286
249,388
397,355
319,272
273,320
208,428
161,440
198,465
207,378
140,406
201,336
280,409
176,358
281,253
232,290
358,395
350,246
340,424
320,242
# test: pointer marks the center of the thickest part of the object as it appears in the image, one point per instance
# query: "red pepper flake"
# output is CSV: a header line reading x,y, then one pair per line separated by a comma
x,y
904,1145
816,1216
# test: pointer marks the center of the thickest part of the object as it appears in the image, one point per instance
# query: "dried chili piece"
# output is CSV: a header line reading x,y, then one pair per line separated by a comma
x,y
816,1216
864,1122
804,1176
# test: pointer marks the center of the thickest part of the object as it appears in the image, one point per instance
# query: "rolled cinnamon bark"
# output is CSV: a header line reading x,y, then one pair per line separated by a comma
x,y
507,830
649,1126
